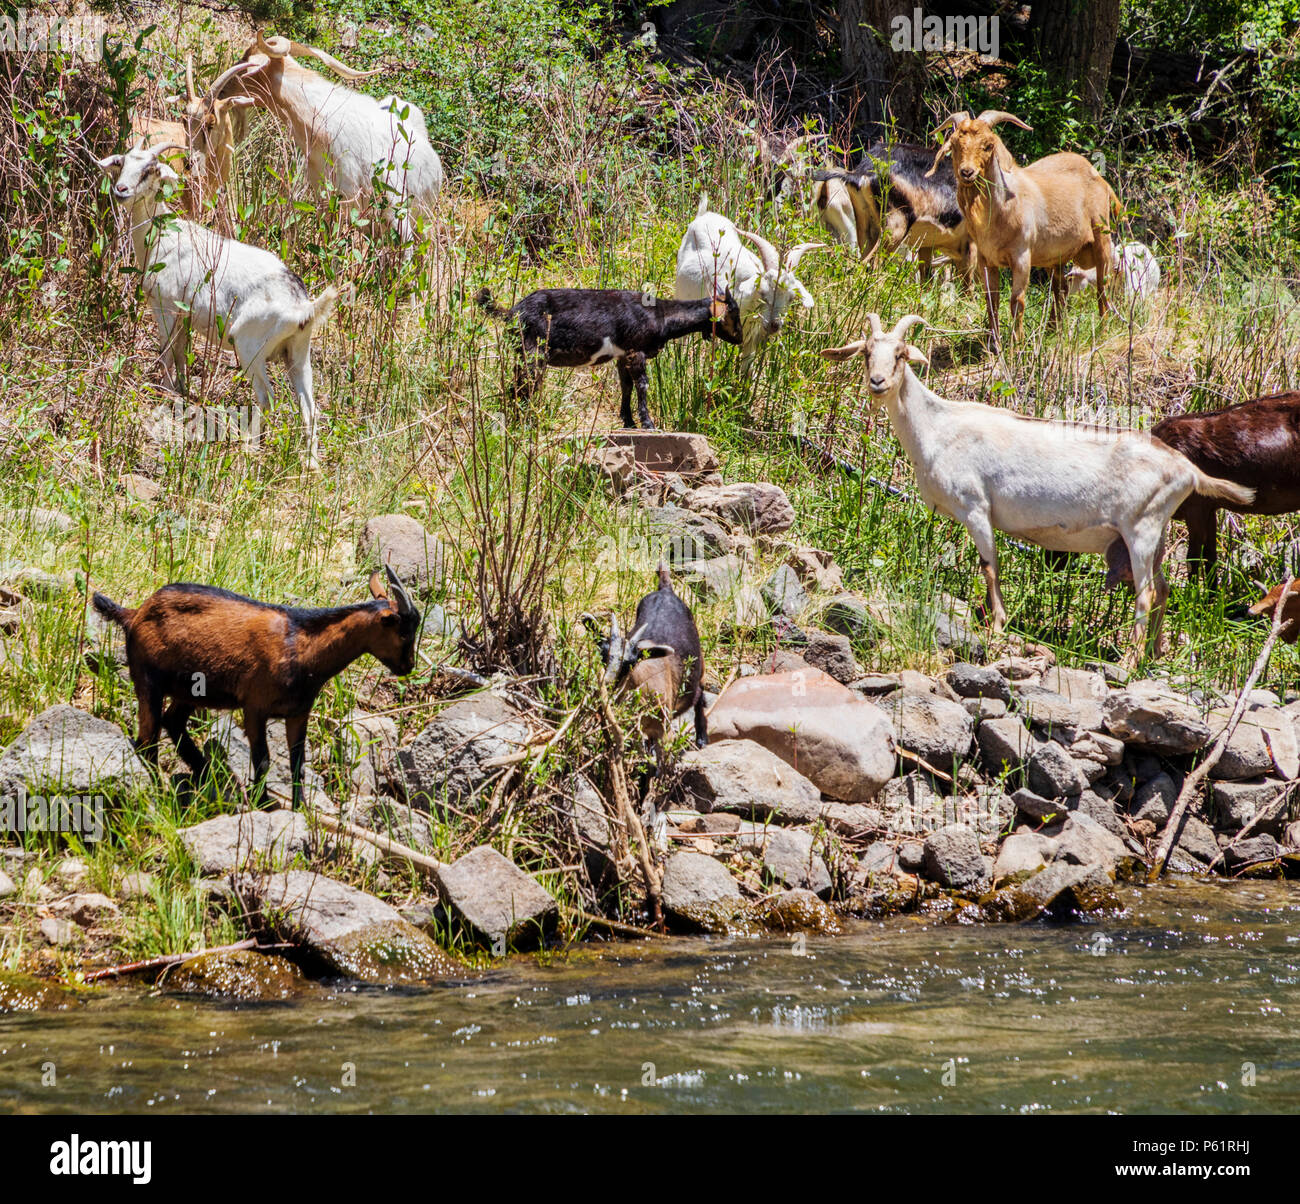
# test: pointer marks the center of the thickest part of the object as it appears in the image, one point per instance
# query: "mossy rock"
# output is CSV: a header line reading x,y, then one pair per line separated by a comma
x,y
23,993
239,974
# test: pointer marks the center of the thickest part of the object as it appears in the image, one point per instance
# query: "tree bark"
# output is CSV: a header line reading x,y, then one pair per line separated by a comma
x,y
1076,39
888,82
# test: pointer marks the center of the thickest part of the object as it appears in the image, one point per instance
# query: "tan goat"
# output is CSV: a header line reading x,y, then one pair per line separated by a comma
x,y
207,135
1056,211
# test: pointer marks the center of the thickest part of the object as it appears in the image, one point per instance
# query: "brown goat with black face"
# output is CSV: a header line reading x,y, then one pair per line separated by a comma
x,y
208,649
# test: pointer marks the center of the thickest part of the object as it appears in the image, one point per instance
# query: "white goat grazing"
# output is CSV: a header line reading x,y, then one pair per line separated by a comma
x,y
350,140
712,260
233,294
1063,486
1134,262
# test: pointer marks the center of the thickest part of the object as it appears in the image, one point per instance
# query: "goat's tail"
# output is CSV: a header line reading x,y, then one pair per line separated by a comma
x,y
483,299
665,577
703,207
321,308
1228,491
112,611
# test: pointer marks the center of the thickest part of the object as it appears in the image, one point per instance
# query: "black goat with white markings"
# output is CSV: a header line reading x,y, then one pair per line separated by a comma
x,y
583,327
661,657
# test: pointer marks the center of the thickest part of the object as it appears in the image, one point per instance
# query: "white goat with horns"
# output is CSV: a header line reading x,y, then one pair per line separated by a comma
x,y
233,294
712,260
1063,486
350,140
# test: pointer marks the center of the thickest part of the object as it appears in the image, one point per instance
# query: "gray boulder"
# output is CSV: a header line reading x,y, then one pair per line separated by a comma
x,y
65,751
1155,799
263,839
1061,887
1148,713
1053,773
700,891
494,897
934,728
446,760
791,858
1021,856
784,593
754,507
832,654
354,933
1005,743
1083,841
1237,803
1197,840
1057,714
978,681
744,778
402,543
680,536
1251,851
953,858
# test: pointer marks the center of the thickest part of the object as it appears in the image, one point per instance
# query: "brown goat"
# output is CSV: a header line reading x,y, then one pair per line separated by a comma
x,y
1056,210
1288,595
1254,443
209,649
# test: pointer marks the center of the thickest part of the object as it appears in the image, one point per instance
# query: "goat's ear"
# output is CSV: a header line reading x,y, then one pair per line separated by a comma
x,y
718,310
378,585
803,294
916,356
847,352
652,651
112,166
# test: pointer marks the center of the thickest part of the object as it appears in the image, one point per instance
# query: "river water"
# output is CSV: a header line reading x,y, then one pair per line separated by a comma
x,y
1187,1001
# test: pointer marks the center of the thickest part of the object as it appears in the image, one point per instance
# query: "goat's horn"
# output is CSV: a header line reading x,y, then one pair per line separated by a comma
x,y
404,604
191,94
159,151
797,252
327,59
771,260
876,328
246,67
905,323
997,116
954,120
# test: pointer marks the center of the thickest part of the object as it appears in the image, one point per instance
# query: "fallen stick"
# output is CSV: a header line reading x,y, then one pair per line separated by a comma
x,y
1196,779
619,927
167,959
431,866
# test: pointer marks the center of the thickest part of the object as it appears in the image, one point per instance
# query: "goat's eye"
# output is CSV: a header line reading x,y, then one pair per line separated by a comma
x,y
988,148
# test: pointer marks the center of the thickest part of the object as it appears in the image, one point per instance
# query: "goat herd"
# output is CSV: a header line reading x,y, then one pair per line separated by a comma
x,y
1063,486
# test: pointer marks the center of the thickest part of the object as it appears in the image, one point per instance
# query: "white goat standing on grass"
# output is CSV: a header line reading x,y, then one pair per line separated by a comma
x,y
1063,486
353,141
233,294
712,260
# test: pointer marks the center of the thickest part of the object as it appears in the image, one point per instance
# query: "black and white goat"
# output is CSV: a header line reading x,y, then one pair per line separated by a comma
x,y
584,327
661,657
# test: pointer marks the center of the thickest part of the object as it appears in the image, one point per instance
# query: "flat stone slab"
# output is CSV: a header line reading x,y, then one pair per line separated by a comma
x,y
266,839
496,898
353,933
682,452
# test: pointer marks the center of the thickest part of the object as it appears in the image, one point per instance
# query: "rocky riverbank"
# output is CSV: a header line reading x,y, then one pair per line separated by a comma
x,y
993,789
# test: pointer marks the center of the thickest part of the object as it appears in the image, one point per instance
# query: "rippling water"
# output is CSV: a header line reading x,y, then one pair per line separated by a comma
x,y
1162,1008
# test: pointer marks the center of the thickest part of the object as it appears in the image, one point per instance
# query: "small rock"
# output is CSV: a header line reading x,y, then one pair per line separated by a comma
x,y
754,507
1251,851
952,858
1247,753
1237,803
911,856
1053,773
242,974
1055,713
59,932
875,685
1197,840
816,569
1149,714
700,891
978,681
682,535
136,885
1076,684
141,488
790,857
402,543
1005,743
850,616
680,452
71,871
91,908
370,748
798,911
353,933
1021,856
504,905
743,777
1155,800
267,839
832,654
1037,807
784,594
933,728
1060,888
1084,841
7,886
446,760
614,464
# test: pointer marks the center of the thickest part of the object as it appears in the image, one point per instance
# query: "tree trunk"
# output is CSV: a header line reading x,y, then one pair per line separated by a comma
x,y
887,82
1076,39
